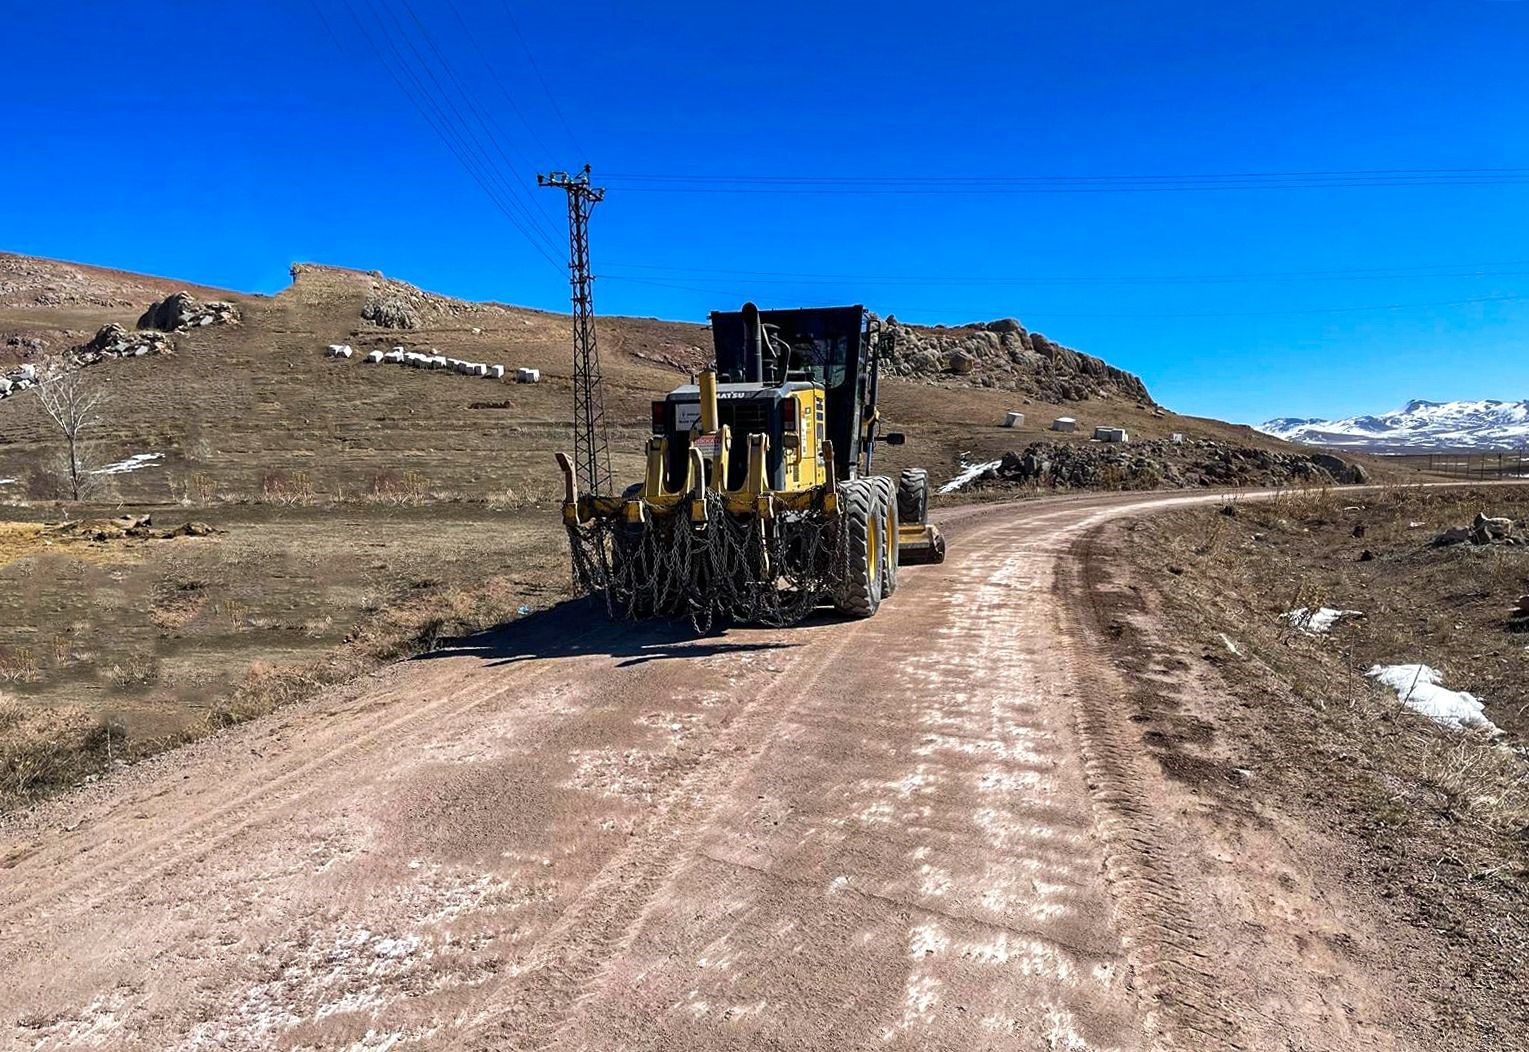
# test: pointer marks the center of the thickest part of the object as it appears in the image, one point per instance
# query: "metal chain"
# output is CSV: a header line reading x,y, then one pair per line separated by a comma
x,y
728,570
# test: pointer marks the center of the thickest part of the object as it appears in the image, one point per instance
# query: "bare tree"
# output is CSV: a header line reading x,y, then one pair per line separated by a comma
x,y
76,406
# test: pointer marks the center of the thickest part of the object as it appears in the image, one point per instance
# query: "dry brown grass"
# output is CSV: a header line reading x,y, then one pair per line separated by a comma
x,y
1425,830
1239,572
19,666
401,630
46,749
1486,780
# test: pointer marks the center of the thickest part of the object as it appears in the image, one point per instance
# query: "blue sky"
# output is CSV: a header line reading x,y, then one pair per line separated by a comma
x,y
220,143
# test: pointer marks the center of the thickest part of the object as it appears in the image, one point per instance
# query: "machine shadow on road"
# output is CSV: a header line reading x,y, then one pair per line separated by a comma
x,y
581,628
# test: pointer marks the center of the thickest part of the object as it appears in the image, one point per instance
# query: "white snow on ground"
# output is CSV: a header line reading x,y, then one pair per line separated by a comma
x,y
132,463
967,474
7,482
1319,622
1419,688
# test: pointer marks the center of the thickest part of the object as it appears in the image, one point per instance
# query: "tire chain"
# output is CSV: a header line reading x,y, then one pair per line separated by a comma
x,y
729,570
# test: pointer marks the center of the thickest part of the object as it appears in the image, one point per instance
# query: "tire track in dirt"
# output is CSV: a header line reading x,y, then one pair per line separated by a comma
x,y
544,992
1157,921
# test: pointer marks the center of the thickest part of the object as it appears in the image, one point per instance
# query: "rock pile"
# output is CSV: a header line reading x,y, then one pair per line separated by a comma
x,y
182,311
133,527
113,341
1156,463
1005,355
390,312
1484,529
17,380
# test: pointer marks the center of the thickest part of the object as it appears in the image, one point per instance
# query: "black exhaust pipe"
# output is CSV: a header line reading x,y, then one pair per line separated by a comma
x,y
753,343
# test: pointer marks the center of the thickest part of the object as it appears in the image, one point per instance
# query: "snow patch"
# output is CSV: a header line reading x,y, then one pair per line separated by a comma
x,y
1318,622
967,475
131,464
1420,688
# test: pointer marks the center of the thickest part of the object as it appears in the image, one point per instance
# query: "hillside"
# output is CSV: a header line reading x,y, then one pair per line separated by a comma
x,y
241,409
1418,426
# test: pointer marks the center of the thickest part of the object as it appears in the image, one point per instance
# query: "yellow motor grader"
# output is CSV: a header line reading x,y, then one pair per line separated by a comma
x,y
759,502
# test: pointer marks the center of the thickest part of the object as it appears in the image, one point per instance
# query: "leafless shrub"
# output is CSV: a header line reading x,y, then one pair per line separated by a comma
x,y
409,489
138,670
277,487
530,493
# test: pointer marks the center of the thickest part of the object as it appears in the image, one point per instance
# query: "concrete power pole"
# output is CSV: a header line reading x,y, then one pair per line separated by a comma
x,y
591,445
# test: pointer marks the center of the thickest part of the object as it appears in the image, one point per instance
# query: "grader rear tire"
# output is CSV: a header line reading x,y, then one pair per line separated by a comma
x,y
913,496
863,519
890,518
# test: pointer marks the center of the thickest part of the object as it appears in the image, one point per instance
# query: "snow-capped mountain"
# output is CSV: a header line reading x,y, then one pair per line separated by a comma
x,y
1419,425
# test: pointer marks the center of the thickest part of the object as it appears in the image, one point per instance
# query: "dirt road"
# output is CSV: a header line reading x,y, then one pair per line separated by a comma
x,y
918,831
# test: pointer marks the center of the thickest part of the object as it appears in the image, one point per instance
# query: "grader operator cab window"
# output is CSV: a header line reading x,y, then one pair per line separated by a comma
x,y
822,344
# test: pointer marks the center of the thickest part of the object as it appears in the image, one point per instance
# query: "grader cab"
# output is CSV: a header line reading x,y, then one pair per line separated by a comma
x,y
759,501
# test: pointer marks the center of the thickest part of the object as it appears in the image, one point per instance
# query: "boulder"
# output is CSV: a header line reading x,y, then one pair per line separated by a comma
x,y
182,311
961,363
1453,535
1342,471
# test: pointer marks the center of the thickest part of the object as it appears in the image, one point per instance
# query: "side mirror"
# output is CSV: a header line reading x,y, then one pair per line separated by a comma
x,y
894,438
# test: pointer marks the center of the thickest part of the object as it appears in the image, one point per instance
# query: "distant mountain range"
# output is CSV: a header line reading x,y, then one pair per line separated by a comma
x,y
1419,425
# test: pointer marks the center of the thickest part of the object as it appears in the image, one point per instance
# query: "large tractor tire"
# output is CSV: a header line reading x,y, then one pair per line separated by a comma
x,y
863,517
913,496
890,519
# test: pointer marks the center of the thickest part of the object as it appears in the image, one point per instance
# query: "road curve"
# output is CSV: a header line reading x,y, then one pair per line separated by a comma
x,y
907,832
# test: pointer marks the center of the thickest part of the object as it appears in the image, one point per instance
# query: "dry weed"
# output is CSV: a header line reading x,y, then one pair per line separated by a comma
x,y
278,487
45,749
1487,780
19,667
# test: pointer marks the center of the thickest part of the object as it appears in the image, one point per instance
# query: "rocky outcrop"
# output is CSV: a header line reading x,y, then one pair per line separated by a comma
x,y
388,303
113,341
1152,465
182,311
390,312
1003,354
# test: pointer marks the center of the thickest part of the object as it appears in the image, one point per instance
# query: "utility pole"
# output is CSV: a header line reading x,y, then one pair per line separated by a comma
x,y
591,445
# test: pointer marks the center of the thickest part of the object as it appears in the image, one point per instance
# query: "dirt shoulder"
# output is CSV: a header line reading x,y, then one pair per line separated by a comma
x,y
1383,857
117,646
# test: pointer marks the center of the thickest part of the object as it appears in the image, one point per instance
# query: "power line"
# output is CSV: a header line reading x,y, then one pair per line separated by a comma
x,y
528,213
437,121
1334,172
975,312
537,70
509,98
1081,184
767,277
